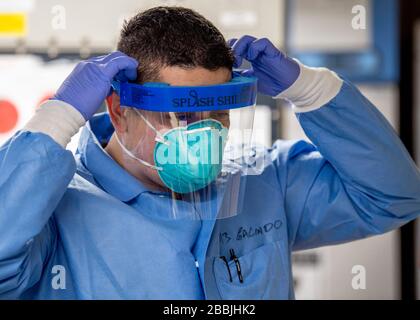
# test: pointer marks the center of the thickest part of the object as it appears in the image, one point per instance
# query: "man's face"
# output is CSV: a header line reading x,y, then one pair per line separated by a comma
x,y
140,137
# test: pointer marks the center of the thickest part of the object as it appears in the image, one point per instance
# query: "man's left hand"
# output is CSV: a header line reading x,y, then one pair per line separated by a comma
x,y
275,71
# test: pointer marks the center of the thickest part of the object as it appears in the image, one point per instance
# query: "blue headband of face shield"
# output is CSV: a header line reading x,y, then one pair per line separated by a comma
x,y
237,93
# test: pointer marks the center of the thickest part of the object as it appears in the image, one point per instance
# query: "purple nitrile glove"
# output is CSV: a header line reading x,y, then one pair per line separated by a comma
x,y
274,70
90,82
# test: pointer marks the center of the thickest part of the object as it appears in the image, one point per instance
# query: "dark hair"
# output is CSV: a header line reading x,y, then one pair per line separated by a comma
x,y
173,36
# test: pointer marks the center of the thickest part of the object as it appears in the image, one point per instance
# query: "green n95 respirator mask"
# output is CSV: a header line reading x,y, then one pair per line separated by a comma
x,y
187,158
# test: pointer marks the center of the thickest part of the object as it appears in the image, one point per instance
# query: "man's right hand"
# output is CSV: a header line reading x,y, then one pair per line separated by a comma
x,y
90,82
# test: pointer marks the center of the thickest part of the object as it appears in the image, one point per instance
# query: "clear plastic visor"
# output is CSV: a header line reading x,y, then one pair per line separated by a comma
x,y
189,160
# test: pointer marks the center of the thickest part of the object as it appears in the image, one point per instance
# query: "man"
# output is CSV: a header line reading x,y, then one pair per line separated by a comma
x,y
93,226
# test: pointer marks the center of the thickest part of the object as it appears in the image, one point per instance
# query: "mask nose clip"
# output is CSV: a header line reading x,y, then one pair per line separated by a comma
x,y
197,130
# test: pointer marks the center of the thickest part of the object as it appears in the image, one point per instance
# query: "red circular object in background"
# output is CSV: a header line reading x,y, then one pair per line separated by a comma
x,y
8,116
46,97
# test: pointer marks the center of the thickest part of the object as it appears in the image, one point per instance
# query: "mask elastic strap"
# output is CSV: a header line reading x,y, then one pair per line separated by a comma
x,y
159,136
131,155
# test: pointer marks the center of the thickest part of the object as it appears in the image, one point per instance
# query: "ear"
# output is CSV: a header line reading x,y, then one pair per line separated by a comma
x,y
116,113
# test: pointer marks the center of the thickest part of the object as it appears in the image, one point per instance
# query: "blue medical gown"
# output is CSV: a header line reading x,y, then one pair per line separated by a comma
x,y
105,233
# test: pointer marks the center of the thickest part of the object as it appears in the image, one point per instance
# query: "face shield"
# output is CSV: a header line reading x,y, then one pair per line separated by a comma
x,y
186,141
